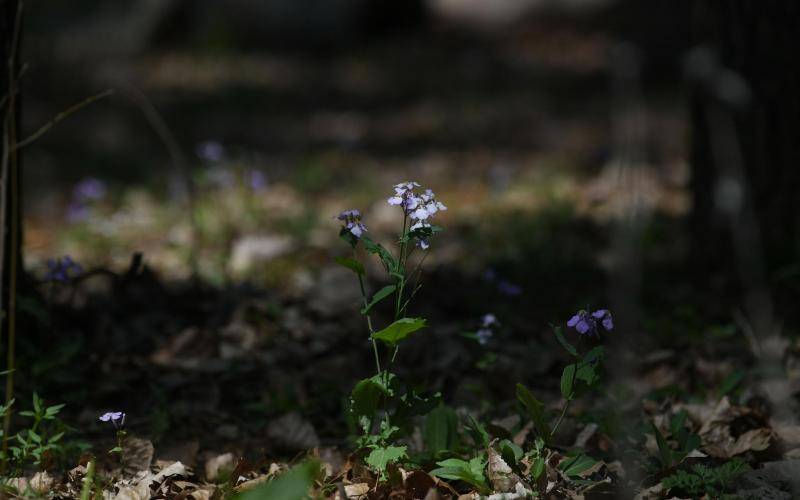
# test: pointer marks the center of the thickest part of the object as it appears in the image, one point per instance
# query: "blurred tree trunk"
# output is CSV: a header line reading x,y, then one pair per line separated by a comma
x,y
757,40
10,112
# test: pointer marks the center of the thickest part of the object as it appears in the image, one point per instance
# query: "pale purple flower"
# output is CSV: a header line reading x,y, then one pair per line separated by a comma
x,y
77,211
115,417
419,207
483,335
508,288
352,222
62,269
256,179
488,320
587,324
211,151
89,189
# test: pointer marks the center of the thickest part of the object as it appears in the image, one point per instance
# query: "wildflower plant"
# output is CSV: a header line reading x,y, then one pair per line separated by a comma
x,y
582,373
62,270
117,419
380,405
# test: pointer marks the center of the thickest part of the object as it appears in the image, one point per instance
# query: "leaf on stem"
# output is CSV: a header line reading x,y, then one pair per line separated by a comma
x,y
379,296
351,264
567,381
563,341
399,330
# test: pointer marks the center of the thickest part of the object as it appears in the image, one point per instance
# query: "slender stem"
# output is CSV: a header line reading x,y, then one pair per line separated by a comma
x,y
569,400
88,481
369,323
61,116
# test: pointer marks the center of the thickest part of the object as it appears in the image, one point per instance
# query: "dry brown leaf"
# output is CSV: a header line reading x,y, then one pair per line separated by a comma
x,y
356,491
220,463
418,483
137,455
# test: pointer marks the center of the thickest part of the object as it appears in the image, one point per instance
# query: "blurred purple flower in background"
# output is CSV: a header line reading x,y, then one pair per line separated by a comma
x,y
589,324
84,193
210,151
115,417
352,222
62,269
505,287
89,189
486,331
256,179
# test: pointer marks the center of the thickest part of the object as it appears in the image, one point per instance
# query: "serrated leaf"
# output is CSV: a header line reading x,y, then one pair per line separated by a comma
x,y
567,381
399,330
351,264
379,296
563,341
535,410
379,458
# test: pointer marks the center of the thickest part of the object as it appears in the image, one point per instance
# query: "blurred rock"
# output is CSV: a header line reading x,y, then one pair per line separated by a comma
x,y
292,433
250,251
336,291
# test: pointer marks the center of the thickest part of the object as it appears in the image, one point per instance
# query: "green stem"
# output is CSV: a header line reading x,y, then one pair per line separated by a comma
x,y
88,481
369,324
569,400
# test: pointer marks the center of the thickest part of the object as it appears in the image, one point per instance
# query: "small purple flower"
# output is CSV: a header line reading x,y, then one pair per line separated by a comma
x,y
352,222
62,269
488,320
417,207
587,324
256,179
509,289
115,417
483,335
77,211
210,151
89,189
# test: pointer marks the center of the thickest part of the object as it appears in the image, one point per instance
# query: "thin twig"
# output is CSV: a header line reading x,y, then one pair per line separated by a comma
x,y
61,116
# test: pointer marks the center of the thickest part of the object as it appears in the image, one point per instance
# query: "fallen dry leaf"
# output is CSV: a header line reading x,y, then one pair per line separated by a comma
x,y
220,463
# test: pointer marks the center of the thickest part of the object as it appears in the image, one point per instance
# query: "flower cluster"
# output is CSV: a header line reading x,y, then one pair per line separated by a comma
x,y
589,324
62,269
485,332
115,417
419,207
352,222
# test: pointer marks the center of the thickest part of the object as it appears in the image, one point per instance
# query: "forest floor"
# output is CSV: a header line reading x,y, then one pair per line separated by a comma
x,y
233,345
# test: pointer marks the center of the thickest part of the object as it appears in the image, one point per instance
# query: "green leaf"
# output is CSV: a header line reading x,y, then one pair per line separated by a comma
x,y
572,467
731,382
367,394
292,485
510,452
379,296
399,330
567,379
470,472
373,248
478,432
535,410
440,430
566,345
537,469
664,451
351,264
379,458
